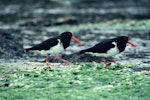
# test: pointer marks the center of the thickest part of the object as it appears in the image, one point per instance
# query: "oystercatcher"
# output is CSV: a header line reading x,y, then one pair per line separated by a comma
x,y
55,46
109,48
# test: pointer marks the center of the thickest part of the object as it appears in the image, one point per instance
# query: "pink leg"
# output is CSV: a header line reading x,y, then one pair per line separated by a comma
x,y
65,61
112,60
47,60
47,64
105,62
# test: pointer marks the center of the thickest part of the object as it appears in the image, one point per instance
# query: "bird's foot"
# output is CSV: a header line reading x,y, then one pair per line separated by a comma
x,y
47,60
47,64
46,68
106,66
107,62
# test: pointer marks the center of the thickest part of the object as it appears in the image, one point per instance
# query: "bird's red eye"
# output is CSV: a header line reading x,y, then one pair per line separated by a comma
x,y
125,38
69,34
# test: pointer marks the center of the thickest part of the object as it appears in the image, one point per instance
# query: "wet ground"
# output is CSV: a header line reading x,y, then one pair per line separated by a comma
x,y
24,24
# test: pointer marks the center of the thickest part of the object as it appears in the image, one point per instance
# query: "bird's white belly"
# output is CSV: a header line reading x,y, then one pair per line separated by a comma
x,y
54,50
109,53
112,52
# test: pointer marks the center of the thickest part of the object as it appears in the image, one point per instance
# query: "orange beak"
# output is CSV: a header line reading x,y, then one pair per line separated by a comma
x,y
131,43
76,40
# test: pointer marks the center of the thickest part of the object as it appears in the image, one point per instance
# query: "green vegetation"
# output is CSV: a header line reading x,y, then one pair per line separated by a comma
x,y
86,81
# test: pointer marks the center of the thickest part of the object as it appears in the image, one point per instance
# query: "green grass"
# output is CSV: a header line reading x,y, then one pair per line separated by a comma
x,y
86,81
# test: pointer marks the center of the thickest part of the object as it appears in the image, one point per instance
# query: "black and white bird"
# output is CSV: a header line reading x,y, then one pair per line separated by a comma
x,y
109,48
55,46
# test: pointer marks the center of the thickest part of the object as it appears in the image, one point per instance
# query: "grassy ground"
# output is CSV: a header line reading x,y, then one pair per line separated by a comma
x,y
85,81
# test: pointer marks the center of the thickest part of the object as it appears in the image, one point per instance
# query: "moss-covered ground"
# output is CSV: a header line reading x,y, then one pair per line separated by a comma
x,y
84,81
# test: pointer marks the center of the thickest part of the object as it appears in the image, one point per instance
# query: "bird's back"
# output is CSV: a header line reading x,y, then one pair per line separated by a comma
x,y
101,47
45,45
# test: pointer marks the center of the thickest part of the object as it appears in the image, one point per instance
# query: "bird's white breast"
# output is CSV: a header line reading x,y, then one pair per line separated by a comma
x,y
112,52
54,50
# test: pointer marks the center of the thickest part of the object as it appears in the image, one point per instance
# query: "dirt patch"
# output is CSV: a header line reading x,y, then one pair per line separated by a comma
x,y
10,44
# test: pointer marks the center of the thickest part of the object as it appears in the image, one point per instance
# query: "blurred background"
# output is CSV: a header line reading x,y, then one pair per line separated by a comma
x,y
24,23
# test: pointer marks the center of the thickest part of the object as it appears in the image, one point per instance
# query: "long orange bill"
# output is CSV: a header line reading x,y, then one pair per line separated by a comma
x,y
131,43
76,40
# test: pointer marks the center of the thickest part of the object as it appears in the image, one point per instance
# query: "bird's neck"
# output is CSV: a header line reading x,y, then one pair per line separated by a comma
x,y
121,46
65,43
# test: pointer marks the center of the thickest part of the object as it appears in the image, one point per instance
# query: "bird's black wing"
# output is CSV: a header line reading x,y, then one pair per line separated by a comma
x,y
45,45
101,47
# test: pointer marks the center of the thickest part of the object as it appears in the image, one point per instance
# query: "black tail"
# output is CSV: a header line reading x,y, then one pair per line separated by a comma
x,y
28,49
82,51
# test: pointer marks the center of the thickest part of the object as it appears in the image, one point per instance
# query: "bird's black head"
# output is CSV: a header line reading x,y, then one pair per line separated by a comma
x,y
66,35
65,38
122,41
